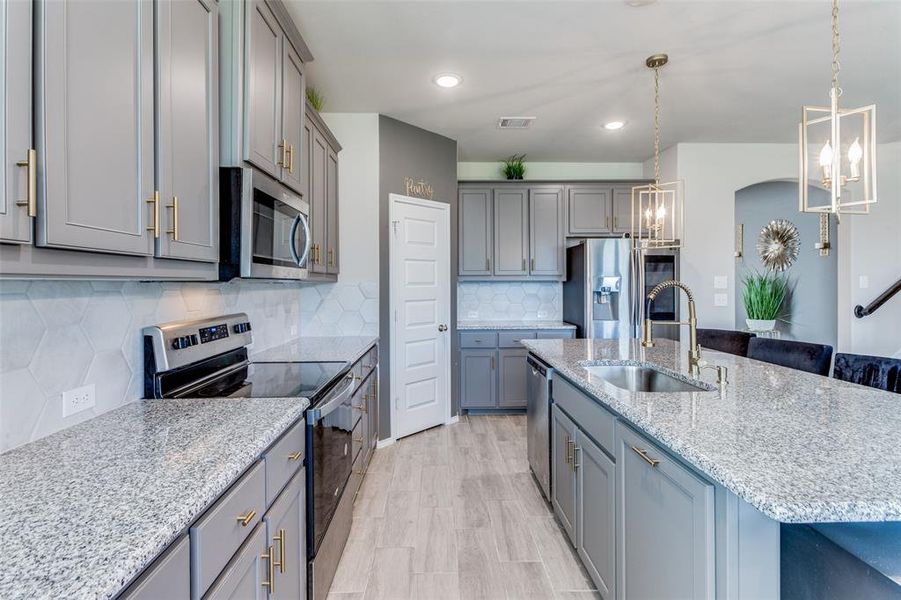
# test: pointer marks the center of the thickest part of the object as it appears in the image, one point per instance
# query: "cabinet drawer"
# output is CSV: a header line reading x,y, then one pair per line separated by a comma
x,y
168,577
283,459
556,334
594,419
478,339
220,531
510,339
245,575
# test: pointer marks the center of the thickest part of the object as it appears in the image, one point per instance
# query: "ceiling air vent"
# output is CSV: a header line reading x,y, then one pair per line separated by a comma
x,y
515,122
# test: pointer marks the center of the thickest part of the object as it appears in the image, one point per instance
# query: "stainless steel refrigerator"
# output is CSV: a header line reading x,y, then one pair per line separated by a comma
x,y
605,287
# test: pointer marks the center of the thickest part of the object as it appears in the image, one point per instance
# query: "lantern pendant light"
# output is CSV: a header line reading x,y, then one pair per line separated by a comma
x,y
657,208
838,148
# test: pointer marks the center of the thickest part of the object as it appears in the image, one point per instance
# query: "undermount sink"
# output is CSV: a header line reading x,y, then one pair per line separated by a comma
x,y
634,378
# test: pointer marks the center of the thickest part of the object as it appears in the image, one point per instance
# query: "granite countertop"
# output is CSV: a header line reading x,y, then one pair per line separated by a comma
x,y
490,325
83,511
318,349
798,447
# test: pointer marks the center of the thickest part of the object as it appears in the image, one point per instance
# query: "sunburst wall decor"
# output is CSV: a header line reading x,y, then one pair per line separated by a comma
x,y
778,244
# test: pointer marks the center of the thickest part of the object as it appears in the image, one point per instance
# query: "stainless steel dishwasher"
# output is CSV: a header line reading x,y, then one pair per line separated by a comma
x,y
538,423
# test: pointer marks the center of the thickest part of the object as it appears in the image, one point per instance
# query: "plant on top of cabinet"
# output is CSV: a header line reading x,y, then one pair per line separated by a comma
x,y
315,98
514,167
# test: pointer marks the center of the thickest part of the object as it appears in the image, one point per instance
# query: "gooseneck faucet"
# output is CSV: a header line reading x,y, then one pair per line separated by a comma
x,y
695,364
647,338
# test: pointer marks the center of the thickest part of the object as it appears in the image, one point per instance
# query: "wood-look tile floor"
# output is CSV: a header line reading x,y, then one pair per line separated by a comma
x,y
453,512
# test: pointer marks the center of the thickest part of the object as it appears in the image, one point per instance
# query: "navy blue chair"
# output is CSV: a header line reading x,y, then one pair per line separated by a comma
x,y
813,358
724,340
873,371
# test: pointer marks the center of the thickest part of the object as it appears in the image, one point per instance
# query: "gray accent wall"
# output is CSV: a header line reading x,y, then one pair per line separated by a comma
x,y
813,304
408,151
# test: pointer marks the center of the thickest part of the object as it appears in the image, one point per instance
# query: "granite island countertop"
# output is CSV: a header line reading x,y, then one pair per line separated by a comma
x,y
85,510
798,447
473,325
318,349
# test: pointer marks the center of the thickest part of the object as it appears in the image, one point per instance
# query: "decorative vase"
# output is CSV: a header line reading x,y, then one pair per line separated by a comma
x,y
761,324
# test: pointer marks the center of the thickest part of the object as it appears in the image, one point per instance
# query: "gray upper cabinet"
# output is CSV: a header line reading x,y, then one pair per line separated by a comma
x,y
293,100
17,203
665,519
168,577
622,209
511,232
546,241
94,125
588,210
263,84
331,203
318,201
188,129
595,514
475,231
563,476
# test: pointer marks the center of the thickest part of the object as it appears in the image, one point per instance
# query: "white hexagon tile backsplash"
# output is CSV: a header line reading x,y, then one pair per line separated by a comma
x,y
58,335
501,301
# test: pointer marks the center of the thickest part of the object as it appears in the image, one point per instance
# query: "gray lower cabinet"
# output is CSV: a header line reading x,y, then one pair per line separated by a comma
x,y
588,210
595,513
546,240
478,378
94,125
187,104
17,199
665,524
168,577
476,231
563,474
286,531
247,576
511,232
512,378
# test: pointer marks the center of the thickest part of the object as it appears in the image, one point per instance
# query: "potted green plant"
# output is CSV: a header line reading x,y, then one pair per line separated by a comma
x,y
514,168
763,296
316,99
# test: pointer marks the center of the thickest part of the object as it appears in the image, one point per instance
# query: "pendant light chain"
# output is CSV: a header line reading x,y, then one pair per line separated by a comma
x,y
656,125
836,66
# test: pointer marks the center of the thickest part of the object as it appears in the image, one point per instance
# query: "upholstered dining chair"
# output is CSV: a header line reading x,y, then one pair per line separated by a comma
x,y
813,358
873,371
724,340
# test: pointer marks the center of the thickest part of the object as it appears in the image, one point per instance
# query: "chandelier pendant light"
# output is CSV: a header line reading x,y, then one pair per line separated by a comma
x,y
657,208
838,148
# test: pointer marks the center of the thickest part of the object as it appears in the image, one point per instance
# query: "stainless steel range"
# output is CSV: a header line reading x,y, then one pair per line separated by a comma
x,y
208,358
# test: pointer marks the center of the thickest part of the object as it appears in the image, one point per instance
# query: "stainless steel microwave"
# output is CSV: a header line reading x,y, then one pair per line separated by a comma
x,y
264,227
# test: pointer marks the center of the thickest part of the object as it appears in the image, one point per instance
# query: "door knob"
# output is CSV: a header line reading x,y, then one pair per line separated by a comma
x,y
442,327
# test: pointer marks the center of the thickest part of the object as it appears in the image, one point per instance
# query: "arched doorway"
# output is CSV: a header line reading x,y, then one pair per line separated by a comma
x,y
812,311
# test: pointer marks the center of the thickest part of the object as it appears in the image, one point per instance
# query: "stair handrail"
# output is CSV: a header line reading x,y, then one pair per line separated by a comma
x,y
863,311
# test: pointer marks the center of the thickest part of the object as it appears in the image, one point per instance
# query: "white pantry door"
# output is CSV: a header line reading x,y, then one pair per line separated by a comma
x,y
420,307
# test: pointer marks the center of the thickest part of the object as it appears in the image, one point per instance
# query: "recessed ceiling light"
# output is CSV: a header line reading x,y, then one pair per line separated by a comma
x,y
637,3
614,125
447,80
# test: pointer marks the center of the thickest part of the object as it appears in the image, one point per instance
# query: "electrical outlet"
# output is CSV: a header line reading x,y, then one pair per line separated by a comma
x,y
78,399
721,282
721,299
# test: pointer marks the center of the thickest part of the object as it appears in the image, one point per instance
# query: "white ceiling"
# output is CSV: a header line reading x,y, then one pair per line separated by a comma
x,y
739,70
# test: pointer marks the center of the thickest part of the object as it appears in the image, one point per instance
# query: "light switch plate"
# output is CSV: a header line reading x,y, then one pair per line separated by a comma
x,y
721,299
721,282
78,399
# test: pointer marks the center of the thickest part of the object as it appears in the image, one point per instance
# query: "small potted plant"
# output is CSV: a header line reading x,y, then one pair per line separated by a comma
x,y
763,297
315,98
514,168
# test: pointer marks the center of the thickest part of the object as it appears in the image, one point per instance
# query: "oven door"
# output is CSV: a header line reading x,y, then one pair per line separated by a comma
x,y
330,426
275,226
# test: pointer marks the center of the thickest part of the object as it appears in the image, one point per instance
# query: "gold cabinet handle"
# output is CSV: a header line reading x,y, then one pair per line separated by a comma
x,y
269,556
331,257
291,158
492,363
614,222
155,201
295,455
283,148
31,191
523,264
359,440
174,207
566,442
280,538
361,408
533,263
642,453
487,264
577,462
246,518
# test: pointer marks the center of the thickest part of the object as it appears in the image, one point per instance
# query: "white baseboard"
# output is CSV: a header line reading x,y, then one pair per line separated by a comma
x,y
452,420
384,443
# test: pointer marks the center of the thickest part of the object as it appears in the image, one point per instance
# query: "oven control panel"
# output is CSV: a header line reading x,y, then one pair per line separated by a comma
x,y
185,342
